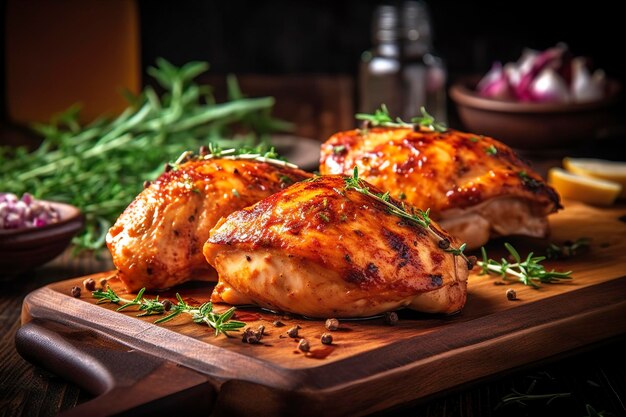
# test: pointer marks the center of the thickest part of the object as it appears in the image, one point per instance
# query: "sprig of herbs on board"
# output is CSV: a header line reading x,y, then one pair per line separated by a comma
x,y
381,117
529,271
568,249
417,216
521,398
203,314
259,153
101,167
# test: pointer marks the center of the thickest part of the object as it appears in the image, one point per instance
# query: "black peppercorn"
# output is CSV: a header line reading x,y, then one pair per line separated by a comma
x,y
103,283
332,324
75,291
303,345
511,294
89,284
391,318
327,339
293,332
278,323
250,336
167,305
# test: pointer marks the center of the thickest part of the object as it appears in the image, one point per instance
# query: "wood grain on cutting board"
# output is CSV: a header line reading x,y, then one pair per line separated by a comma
x,y
370,364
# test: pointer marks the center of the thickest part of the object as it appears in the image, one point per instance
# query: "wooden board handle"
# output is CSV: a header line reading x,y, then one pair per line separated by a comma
x,y
125,381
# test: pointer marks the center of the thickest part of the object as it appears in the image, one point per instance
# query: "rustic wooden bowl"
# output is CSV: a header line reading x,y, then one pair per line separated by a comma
x,y
536,126
25,249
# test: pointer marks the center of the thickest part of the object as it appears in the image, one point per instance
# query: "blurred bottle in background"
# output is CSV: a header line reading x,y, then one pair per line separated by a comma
x,y
402,70
380,69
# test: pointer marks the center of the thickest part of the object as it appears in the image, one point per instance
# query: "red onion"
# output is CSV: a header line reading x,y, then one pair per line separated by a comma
x,y
548,86
550,58
495,84
25,212
549,76
586,87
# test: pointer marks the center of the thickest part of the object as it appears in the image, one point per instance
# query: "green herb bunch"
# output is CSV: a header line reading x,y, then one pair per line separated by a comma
x,y
101,167
529,271
203,314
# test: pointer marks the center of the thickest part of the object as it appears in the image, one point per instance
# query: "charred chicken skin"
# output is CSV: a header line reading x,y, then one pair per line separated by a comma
x,y
475,186
157,241
320,249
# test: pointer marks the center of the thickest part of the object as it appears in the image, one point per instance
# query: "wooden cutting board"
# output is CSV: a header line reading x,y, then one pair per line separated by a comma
x,y
139,366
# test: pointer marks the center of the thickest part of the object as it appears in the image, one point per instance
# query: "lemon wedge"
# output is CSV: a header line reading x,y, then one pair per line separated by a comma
x,y
586,189
598,168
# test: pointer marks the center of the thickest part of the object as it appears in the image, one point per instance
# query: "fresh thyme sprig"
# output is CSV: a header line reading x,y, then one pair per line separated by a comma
x,y
429,122
381,117
258,153
202,314
528,271
517,397
591,412
417,216
568,248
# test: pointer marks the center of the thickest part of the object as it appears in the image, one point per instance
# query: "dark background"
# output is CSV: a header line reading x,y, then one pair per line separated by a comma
x,y
309,38
278,37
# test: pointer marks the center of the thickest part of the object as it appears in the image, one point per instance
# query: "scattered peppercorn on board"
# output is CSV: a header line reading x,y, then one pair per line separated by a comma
x,y
369,366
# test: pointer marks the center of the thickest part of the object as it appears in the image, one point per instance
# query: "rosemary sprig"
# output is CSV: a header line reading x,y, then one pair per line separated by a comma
x,y
517,397
381,117
100,167
417,216
568,248
202,314
259,153
528,271
429,122
591,412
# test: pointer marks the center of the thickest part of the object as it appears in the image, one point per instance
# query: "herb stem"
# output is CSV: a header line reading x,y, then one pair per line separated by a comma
x,y
204,313
520,398
381,117
528,271
496,268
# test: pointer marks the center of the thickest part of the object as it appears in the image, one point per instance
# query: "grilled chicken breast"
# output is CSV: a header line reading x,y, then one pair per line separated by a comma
x,y
321,250
157,241
475,186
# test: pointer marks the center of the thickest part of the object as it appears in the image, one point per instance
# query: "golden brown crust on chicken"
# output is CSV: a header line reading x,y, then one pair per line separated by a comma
x,y
320,250
157,241
444,172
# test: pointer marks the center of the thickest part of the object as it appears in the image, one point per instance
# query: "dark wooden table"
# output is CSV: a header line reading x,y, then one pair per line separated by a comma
x,y
593,378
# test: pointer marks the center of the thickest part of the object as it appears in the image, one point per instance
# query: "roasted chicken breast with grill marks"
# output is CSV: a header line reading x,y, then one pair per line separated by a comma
x,y
475,186
157,241
321,250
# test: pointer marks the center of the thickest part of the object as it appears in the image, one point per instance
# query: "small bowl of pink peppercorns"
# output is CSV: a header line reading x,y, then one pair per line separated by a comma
x,y
33,232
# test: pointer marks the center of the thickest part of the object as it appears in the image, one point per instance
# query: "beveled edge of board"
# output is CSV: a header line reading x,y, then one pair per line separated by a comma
x,y
400,356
